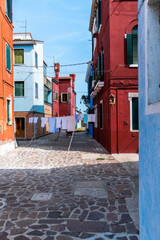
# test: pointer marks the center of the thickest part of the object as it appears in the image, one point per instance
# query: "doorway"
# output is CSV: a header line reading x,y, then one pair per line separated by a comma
x,y
20,127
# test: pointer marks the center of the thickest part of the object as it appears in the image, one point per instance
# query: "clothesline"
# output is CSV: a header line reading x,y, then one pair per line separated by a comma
x,y
65,123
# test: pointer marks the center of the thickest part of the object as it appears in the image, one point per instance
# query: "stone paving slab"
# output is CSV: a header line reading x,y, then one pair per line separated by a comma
x,y
46,167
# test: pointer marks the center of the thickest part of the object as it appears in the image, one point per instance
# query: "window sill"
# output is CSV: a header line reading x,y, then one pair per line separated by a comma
x,y
19,96
8,18
9,71
9,124
133,65
17,64
134,131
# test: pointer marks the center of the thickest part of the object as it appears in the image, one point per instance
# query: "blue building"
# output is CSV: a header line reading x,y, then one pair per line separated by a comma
x,y
149,105
88,80
29,85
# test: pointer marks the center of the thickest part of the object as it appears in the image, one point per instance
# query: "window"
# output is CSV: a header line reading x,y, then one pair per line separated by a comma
x,y
19,89
8,57
101,114
36,90
99,15
64,97
56,96
36,60
132,47
44,69
18,56
8,9
134,116
9,111
101,66
45,95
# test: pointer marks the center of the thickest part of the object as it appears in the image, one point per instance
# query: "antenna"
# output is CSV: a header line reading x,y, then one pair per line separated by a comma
x,y
25,28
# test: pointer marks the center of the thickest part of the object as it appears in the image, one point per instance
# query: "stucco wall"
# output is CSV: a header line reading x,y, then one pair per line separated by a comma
x,y
149,135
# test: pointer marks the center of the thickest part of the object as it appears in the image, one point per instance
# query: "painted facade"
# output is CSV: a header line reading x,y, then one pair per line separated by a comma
x,y
149,104
64,95
29,84
115,74
90,110
6,77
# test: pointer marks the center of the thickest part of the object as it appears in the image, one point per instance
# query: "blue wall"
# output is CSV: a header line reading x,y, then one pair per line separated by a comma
x,y
149,139
30,75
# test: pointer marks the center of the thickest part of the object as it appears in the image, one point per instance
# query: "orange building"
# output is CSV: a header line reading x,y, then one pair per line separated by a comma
x,y
6,77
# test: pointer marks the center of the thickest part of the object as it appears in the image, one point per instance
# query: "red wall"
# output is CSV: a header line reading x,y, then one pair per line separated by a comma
x,y
55,87
118,18
6,78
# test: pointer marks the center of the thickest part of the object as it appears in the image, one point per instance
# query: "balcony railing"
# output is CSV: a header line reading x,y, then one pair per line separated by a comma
x,y
97,85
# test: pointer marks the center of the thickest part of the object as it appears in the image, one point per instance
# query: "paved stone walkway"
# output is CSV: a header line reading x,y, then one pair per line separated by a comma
x,y
88,190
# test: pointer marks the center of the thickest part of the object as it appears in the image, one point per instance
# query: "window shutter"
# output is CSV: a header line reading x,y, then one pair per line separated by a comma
x,y
10,9
102,66
135,49
135,124
8,117
97,19
61,97
67,97
8,57
99,9
129,49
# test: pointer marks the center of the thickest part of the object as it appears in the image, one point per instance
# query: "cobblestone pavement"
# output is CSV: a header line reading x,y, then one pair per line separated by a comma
x,y
88,191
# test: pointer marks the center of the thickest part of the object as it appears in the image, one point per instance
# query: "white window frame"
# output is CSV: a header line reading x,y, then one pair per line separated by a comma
x,y
130,96
10,111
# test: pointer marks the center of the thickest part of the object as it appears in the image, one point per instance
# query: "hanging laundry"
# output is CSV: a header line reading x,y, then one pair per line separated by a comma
x,y
58,122
77,118
85,118
31,120
82,116
35,120
52,125
91,118
71,124
44,120
64,123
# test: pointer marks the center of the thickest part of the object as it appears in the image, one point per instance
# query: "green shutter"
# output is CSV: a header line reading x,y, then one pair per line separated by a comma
x,y
61,97
135,119
100,14
19,56
8,57
67,97
129,49
97,20
135,49
102,66
19,89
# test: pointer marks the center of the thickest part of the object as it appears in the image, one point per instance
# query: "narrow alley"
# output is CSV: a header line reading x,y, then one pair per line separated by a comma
x,y
48,193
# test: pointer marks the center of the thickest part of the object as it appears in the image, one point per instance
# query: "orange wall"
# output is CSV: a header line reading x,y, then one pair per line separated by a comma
x,y
6,78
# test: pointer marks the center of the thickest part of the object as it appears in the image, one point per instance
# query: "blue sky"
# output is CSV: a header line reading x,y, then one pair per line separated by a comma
x,y
63,26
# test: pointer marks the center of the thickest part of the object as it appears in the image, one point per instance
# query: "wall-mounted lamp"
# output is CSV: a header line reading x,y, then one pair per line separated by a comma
x,y
112,101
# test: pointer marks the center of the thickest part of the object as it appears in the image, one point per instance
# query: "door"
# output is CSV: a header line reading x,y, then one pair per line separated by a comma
x,y
20,127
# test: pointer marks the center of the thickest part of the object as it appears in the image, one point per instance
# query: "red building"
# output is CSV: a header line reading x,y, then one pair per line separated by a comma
x,y
114,25
64,95
6,77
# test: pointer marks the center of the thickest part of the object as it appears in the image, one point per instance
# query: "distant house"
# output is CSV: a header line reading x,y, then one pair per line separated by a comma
x,y
6,78
47,94
64,95
149,110
114,87
29,85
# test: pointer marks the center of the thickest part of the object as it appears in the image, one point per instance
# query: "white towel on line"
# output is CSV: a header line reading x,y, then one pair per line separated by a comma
x,y
71,124
35,119
58,122
31,120
64,123
44,120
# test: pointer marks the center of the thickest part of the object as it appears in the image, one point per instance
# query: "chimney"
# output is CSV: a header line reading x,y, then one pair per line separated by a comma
x,y
57,70
73,76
